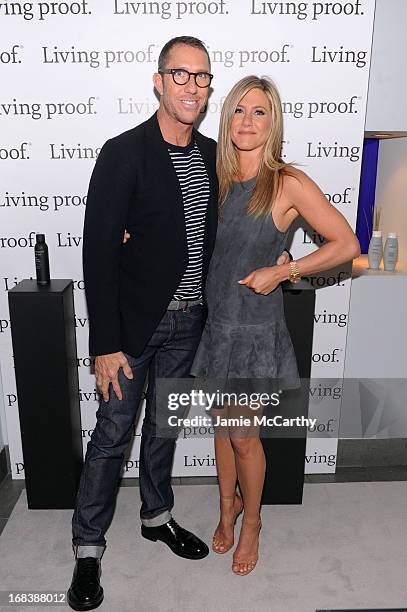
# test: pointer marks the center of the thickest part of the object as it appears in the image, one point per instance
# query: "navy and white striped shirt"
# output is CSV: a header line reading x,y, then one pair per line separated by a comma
x,y
194,183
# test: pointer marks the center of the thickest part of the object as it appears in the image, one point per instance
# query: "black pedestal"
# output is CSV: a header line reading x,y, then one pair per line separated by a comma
x,y
45,359
285,456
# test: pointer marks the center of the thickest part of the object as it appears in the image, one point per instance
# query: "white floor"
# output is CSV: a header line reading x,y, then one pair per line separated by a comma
x,y
345,547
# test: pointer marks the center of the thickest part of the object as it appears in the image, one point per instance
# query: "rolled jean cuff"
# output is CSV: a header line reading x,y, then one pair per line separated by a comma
x,y
156,521
88,550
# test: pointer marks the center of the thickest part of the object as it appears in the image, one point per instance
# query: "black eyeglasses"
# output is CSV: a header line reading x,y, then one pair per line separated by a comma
x,y
181,76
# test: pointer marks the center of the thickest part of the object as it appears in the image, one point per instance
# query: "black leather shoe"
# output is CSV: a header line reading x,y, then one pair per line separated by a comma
x,y
85,592
182,542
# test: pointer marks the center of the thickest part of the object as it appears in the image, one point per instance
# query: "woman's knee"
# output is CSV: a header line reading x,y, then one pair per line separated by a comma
x,y
244,446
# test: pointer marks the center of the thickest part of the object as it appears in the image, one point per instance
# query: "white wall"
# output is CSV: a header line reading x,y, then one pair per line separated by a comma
x,y
386,107
375,366
391,192
375,386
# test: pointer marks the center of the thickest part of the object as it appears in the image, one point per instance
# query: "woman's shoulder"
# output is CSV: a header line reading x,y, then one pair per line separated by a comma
x,y
294,179
301,190
291,173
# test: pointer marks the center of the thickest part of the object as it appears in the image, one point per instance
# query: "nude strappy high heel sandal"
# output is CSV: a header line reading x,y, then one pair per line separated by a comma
x,y
243,566
218,543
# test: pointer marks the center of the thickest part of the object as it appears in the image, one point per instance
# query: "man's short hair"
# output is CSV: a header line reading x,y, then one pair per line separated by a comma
x,y
191,41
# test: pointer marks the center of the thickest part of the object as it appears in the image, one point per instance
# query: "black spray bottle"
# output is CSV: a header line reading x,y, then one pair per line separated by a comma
x,y
41,260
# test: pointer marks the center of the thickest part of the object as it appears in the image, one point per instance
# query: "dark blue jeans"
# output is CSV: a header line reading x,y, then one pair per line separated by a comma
x,y
169,354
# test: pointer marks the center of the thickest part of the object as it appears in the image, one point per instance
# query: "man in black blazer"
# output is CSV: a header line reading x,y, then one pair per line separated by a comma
x,y
145,303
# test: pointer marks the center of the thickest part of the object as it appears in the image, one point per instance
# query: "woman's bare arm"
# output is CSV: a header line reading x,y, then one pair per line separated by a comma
x,y
341,243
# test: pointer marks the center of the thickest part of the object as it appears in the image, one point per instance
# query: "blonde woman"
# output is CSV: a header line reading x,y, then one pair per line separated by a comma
x,y
245,335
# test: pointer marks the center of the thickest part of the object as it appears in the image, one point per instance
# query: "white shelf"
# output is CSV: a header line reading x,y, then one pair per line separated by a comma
x,y
360,267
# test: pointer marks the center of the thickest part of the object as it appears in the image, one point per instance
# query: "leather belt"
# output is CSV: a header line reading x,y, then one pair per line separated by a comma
x,y
182,304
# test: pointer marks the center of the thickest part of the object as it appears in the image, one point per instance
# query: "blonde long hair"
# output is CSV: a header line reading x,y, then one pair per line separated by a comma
x,y
272,167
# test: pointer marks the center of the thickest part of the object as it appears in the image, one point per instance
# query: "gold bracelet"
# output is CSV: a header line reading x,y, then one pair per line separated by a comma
x,y
294,273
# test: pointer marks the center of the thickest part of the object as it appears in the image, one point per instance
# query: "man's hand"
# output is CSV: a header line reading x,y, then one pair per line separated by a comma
x,y
106,372
283,258
126,236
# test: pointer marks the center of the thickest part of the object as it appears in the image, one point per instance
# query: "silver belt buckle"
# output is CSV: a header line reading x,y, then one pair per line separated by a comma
x,y
183,304
177,305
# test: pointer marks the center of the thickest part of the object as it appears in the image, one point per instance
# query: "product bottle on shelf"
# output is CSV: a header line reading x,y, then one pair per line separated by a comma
x,y
390,253
375,252
41,260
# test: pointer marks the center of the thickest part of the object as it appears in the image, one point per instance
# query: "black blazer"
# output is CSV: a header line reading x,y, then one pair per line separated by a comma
x,y
128,286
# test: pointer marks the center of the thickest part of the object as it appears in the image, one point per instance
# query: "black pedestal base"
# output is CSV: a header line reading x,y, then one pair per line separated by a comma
x,y
44,344
285,456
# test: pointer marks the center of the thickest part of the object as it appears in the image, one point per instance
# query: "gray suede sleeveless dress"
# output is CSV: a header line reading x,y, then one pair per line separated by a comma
x,y
245,335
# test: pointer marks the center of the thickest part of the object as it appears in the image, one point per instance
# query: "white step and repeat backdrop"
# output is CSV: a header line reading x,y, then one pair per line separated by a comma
x,y
76,73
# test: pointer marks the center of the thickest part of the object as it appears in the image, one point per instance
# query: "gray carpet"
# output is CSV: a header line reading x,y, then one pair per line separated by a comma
x,y
345,547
